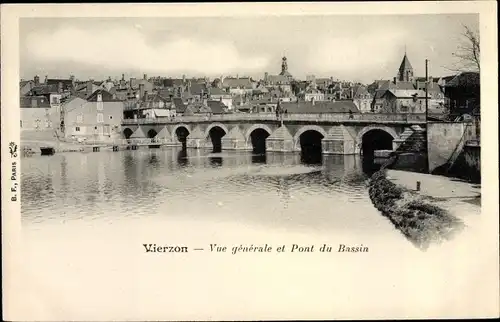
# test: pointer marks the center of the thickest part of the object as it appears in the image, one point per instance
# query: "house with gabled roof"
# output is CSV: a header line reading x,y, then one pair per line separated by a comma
x,y
319,107
37,113
362,98
218,94
463,93
238,85
97,117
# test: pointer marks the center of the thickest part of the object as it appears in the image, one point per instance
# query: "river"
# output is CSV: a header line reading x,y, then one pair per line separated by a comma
x,y
85,217
274,191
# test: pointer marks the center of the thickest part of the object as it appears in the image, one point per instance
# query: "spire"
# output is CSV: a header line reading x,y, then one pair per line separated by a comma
x,y
405,72
405,64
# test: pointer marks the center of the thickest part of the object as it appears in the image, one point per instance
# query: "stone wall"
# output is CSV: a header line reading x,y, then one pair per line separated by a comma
x,y
443,140
449,152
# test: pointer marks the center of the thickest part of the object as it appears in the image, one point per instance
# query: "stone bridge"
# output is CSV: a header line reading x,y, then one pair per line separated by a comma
x,y
339,133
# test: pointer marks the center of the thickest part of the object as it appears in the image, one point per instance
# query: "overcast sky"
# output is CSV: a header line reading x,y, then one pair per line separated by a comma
x,y
357,48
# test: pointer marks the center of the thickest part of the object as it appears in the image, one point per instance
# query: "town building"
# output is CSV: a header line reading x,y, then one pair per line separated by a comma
x,y
238,85
463,94
312,93
403,101
217,94
155,106
98,117
282,81
361,98
319,107
405,92
37,113
133,89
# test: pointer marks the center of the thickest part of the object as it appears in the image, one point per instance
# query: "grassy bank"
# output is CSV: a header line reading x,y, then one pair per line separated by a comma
x,y
421,222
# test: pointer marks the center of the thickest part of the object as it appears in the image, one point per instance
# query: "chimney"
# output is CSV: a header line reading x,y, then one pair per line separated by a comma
x,y
145,76
395,80
141,90
60,87
266,76
312,100
46,78
89,89
72,78
352,93
36,80
123,77
183,79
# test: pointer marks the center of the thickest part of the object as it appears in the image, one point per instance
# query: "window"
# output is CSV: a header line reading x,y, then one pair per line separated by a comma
x,y
100,118
77,129
100,106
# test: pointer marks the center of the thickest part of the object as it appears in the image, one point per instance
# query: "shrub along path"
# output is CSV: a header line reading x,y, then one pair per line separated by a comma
x,y
421,222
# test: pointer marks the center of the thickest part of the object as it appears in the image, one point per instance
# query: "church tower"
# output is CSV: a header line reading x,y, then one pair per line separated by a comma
x,y
405,72
284,69
284,66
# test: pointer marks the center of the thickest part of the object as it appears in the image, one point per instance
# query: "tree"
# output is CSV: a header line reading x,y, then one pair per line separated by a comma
x,y
468,52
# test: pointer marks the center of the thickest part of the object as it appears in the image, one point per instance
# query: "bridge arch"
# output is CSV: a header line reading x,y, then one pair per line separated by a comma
x,y
152,133
305,128
177,126
375,137
181,132
127,132
308,140
368,128
255,127
211,126
256,136
215,132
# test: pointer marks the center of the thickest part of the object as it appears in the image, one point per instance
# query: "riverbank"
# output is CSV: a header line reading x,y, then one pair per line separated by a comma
x,y
420,221
438,187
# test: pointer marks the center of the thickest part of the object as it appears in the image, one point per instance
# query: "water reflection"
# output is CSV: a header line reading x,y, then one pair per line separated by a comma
x,y
153,159
148,183
259,158
216,161
182,159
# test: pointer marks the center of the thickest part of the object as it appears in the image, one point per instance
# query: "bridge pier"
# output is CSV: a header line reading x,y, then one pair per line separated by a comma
x,y
235,140
338,141
280,141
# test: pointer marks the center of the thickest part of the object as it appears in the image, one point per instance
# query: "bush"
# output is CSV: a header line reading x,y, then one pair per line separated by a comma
x,y
421,222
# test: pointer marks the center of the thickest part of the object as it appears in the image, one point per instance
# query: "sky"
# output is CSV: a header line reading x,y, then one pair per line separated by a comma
x,y
349,47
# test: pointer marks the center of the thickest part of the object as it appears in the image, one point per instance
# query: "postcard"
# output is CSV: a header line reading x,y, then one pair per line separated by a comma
x,y
250,161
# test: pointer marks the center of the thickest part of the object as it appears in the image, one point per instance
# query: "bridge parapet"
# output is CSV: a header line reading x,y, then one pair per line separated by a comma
x,y
290,117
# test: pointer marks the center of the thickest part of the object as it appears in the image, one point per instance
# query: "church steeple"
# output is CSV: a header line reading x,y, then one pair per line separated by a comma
x,y
284,66
405,72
